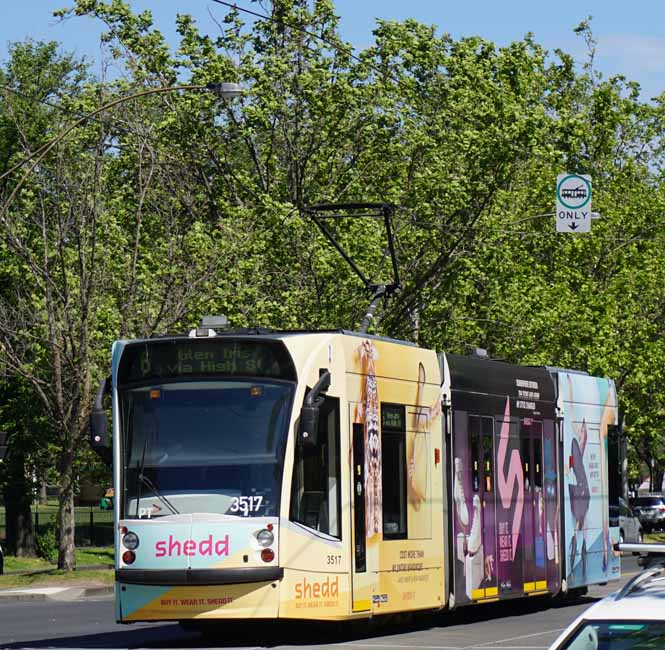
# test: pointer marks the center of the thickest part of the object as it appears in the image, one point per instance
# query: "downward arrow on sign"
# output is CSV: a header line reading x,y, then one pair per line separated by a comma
x,y
573,226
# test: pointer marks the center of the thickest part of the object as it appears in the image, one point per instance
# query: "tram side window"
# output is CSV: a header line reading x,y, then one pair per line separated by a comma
x,y
316,486
481,433
526,452
488,452
474,437
393,470
616,447
538,462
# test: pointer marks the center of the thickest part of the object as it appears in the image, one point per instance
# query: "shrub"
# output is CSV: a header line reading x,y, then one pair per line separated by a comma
x,y
46,542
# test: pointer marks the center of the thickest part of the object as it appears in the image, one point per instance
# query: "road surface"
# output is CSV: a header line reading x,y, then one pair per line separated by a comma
x,y
519,625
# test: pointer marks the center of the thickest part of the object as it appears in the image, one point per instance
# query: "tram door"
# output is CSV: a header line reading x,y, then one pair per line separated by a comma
x,y
361,587
533,520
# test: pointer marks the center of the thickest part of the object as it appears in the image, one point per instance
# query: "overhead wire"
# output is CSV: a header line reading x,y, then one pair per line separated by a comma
x,y
346,50
349,51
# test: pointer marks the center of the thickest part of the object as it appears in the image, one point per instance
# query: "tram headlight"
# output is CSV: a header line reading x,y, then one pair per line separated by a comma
x,y
265,538
130,540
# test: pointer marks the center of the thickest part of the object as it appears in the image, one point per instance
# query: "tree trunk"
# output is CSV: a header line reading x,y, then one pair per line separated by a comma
x,y
18,498
66,557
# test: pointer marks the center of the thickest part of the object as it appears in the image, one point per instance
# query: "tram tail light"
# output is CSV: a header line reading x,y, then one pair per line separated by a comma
x,y
128,557
267,555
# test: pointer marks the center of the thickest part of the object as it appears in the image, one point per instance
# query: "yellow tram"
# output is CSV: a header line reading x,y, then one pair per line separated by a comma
x,y
337,475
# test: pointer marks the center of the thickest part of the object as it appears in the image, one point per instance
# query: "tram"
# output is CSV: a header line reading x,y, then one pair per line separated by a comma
x,y
337,475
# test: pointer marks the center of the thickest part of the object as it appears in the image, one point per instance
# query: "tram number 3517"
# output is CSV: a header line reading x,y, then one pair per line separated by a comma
x,y
245,505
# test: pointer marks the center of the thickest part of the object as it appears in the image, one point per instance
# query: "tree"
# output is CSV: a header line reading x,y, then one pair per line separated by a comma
x,y
24,124
177,205
26,459
47,328
459,133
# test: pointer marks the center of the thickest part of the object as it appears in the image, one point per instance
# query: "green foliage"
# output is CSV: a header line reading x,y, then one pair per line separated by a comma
x,y
175,205
47,543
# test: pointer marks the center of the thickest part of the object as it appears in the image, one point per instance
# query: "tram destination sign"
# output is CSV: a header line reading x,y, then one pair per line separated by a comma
x,y
573,203
168,359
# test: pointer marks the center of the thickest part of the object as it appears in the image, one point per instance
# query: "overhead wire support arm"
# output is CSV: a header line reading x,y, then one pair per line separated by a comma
x,y
387,218
312,212
322,212
381,291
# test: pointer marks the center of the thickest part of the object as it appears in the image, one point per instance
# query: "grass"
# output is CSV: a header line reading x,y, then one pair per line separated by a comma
x,y
655,538
49,511
41,572
95,555
25,563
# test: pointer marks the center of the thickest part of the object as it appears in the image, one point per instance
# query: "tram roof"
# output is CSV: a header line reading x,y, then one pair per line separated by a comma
x,y
265,333
489,376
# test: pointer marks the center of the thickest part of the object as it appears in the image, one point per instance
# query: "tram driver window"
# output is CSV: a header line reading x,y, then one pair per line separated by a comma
x,y
316,486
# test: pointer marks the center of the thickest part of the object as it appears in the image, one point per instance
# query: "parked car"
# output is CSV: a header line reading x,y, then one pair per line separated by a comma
x,y
650,510
631,619
630,528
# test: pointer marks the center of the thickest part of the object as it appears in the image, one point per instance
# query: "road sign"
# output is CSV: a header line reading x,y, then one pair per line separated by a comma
x,y
573,203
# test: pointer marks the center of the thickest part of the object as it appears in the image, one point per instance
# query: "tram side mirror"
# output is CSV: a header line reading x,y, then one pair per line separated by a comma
x,y
309,413
99,427
309,425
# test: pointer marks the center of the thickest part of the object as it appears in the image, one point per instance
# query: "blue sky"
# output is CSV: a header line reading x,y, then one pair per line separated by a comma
x,y
631,36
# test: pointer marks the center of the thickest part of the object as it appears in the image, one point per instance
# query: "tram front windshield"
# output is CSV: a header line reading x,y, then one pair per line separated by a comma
x,y
214,446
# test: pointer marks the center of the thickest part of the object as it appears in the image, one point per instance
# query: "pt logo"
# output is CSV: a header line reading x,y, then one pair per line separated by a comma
x,y
147,513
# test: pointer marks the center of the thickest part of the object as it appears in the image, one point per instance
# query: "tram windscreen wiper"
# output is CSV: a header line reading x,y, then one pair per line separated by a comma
x,y
149,484
143,479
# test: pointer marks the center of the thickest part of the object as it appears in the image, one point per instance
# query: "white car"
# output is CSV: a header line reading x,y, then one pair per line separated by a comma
x,y
630,528
633,618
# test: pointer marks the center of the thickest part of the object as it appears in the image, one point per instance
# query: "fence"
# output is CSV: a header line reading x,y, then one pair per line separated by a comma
x,y
94,527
